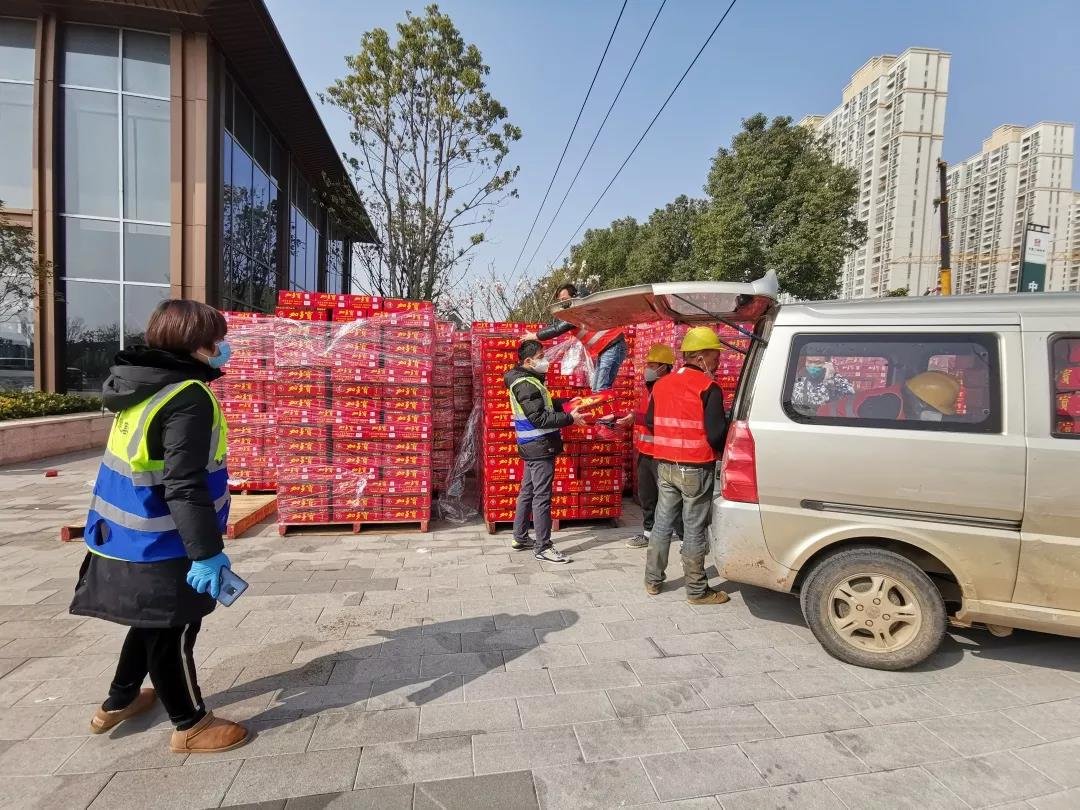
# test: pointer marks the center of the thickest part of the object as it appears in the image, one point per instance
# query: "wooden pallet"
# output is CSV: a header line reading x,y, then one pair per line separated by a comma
x,y
382,526
247,511
241,490
557,524
571,523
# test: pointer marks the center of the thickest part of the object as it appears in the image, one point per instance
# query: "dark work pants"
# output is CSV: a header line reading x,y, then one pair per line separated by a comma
x,y
535,498
648,492
167,656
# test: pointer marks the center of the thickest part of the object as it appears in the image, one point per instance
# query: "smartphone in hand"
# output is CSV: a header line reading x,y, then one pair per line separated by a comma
x,y
231,587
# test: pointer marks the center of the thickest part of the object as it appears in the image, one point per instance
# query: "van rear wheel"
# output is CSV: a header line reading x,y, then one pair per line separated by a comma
x,y
873,608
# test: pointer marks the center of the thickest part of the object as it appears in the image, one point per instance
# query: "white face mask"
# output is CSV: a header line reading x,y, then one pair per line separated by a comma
x,y
651,375
930,416
541,366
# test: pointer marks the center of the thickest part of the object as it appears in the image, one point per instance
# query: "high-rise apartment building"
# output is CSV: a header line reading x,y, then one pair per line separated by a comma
x,y
1069,278
889,128
1022,176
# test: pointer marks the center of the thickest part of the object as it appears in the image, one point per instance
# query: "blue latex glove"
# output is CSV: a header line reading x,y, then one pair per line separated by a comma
x,y
205,575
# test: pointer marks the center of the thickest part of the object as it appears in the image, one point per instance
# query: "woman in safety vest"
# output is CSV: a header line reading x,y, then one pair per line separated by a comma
x,y
158,512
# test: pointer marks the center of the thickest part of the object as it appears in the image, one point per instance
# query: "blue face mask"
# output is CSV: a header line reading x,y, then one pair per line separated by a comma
x,y
815,373
224,354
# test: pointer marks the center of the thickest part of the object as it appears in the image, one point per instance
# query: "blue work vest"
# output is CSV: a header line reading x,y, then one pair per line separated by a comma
x,y
129,518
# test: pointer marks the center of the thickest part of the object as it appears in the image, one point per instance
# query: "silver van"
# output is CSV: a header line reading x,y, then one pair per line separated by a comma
x,y
899,463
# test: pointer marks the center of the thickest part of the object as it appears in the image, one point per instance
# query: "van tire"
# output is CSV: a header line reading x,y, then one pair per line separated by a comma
x,y
818,595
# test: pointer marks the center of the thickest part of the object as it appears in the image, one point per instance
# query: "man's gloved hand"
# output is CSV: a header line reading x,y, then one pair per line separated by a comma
x,y
205,575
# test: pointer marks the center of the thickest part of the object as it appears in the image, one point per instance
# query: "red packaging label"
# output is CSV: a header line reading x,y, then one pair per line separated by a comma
x,y
301,432
357,515
303,515
314,315
231,407
1068,379
354,390
358,359
355,416
301,374
405,305
600,499
292,390
391,515
294,298
299,447
1068,404
381,432
396,405
327,300
497,488
1067,426
296,489
411,419
361,302
394,335
350,315
405,501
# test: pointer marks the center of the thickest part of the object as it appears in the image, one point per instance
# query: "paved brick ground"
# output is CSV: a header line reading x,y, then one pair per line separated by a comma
x,y
446,671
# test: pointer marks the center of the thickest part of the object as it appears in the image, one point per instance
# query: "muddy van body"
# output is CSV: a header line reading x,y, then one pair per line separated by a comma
x,y
897,463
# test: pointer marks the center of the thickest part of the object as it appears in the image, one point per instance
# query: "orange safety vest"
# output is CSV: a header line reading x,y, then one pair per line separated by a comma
x,y
643,437
679,417
596,342
849,406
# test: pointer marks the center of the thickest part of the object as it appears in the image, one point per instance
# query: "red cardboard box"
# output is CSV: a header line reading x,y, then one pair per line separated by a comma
x,y
311,489
301,432
290,391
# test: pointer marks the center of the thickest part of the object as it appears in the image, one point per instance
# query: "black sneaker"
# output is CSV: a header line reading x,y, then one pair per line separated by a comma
x,y
551,555
638,541
522,545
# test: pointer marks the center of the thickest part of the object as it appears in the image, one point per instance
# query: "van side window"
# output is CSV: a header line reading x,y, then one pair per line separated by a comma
x,y
943,382
1065,367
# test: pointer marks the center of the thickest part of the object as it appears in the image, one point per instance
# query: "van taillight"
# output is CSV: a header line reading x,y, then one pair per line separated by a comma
x,y
738,469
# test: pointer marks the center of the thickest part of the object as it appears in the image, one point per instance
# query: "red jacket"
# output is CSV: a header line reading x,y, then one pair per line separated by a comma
x,y
643,437
853,405
596,342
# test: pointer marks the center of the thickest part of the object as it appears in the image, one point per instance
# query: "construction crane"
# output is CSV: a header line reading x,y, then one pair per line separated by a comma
x,y
941,205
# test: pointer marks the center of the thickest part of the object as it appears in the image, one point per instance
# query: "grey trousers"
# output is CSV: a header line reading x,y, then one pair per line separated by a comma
x,y
535,499
688,491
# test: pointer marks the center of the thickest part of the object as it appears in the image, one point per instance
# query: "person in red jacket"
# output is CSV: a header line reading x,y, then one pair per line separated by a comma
x,y
606,347
658,363
689,425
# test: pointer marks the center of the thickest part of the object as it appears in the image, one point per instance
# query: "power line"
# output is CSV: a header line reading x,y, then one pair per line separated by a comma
x,y
577,174
573,129
607,188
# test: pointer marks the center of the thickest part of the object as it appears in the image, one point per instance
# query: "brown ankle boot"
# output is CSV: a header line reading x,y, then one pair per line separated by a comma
x,y
103,721
710,597
209,736
652,588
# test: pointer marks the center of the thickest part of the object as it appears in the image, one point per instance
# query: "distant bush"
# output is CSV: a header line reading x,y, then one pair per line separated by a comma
x,y
27,404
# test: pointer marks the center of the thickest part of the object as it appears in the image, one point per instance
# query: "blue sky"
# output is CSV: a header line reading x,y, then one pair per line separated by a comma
x,y
1012,62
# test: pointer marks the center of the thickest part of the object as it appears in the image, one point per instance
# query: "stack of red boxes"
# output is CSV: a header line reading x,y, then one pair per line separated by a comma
x,y
1066,369
246,396
463,387
494,352
589,474
354,409
443,381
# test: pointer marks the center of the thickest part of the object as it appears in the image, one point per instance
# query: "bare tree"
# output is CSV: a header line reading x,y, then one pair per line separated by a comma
x,y
21,272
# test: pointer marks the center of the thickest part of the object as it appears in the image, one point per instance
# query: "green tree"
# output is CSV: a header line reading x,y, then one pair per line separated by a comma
x,y
899,292
665,247
777,201
432,146
604,254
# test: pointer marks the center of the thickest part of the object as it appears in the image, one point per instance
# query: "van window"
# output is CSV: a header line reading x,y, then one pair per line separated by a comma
x,y
944,382
1065,366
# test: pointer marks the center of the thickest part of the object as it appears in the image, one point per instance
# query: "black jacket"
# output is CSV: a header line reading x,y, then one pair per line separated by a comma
x,y
716,421
532,403
157,594
554,330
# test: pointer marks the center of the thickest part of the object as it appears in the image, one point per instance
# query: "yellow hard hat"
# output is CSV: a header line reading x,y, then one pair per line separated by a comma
x,y
699,339
937,389
660,353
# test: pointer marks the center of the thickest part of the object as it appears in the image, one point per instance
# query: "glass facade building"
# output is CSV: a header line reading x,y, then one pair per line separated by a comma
x,y
155,154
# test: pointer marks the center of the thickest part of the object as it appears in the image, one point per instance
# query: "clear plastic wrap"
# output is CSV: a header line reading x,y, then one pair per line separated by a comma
x,y
246,394
353,409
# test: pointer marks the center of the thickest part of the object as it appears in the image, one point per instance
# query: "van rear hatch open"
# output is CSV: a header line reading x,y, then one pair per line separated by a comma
x,y
737,304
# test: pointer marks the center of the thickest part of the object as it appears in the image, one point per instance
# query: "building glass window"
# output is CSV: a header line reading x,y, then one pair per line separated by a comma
x,y
16,156
945,382
16,111
338,276
115,197
250,208
304,220
1065,367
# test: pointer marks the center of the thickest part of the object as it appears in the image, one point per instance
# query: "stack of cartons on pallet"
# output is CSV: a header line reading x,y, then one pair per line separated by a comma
x,y
354,410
